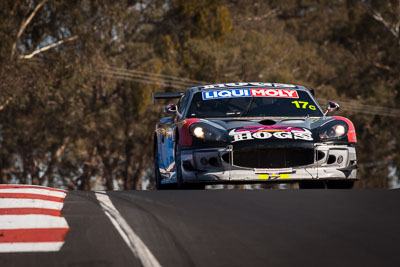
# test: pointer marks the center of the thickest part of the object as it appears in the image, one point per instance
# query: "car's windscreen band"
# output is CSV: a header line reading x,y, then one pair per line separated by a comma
x,y
252,103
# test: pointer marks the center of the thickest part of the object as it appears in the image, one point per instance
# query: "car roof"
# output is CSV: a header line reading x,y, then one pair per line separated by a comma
x,y
242,85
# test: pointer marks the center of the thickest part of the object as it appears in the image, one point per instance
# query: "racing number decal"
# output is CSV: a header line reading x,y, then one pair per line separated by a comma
x,y
303,104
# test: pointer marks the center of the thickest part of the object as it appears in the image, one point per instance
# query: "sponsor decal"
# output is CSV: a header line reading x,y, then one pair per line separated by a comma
x,y
270,128
230,93
274,176
255,84
315,120
161,131
266,132
273,171
226,94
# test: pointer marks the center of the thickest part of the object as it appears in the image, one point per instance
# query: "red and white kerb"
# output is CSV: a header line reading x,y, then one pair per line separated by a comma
x,y
30,219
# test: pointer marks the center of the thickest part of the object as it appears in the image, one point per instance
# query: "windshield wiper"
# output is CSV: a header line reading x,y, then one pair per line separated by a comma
x,y
244,112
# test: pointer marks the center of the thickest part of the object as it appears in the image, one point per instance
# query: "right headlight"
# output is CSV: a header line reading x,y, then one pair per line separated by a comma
x,y
198,132
333,130
207,132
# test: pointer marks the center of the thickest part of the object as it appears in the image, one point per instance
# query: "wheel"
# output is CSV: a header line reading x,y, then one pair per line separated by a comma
x,y
339,184
177,154
312,184
157,175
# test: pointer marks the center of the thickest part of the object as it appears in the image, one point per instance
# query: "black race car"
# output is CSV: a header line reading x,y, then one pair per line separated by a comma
x,y
253,133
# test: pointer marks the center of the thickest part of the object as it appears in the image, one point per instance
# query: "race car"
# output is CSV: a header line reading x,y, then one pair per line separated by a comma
x,y
253,132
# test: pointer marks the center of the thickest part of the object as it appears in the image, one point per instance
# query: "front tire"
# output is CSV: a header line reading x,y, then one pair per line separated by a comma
x,y
177,154
157,175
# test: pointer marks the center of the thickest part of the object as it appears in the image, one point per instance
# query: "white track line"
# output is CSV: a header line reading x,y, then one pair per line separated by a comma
x,y
133,241
30,247
38,191
11,203
31,221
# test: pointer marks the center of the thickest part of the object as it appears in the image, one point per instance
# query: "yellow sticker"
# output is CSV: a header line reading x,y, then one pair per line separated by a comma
x,y
180,124
285,176
274,176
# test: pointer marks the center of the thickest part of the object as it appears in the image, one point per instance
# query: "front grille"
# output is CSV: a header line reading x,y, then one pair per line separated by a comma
x,y
271,157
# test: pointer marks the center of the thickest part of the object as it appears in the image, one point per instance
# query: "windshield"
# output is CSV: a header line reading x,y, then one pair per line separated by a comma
x,y
253,103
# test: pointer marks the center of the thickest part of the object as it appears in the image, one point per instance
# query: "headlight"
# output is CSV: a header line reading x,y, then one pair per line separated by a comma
x,y
198,132
339,130
333,130
207,132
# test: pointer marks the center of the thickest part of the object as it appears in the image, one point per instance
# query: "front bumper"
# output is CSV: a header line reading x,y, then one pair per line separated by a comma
x,y
331,162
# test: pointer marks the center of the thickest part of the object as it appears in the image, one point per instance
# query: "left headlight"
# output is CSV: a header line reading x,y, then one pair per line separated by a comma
x,y
333,130
207,132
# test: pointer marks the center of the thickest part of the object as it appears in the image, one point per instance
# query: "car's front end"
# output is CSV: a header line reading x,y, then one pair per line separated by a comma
x,y
283,151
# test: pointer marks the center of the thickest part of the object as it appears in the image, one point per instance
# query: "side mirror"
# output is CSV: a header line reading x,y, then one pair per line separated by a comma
x,y
171,109
332,107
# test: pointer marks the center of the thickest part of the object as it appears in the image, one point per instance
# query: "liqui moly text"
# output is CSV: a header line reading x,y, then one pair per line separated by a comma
x,y
229,93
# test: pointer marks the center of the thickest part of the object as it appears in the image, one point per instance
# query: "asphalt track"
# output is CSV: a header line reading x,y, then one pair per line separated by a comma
x,y
231,228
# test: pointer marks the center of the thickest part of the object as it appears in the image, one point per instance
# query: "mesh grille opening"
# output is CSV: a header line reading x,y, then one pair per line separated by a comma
x,y
271,157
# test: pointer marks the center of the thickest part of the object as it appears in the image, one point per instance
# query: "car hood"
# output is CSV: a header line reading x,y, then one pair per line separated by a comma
x,y
270,131
309,123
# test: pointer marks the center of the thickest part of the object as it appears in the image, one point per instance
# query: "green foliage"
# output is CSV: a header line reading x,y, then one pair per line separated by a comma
x,y
201,18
